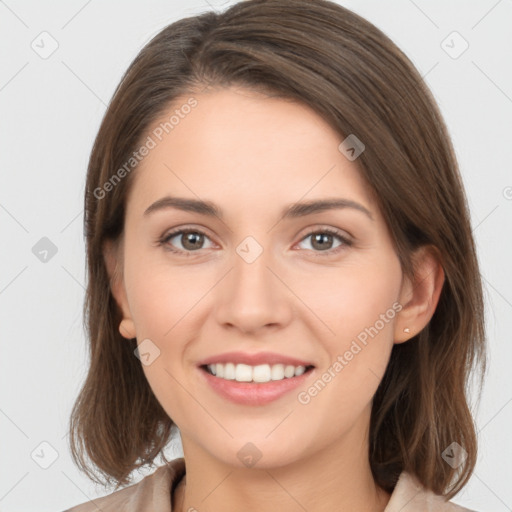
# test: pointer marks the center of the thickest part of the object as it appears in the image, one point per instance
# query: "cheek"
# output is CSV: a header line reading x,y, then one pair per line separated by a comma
x,y
364,326
161,303
164,303
349,298
160,296
358,304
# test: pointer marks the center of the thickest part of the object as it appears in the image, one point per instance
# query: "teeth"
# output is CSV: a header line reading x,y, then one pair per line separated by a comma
x,y
260,373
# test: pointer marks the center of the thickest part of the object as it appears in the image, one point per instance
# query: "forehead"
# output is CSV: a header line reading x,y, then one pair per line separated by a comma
x,y
244,149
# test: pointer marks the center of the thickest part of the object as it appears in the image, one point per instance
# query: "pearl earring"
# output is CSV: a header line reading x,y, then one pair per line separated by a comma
x,y
407,330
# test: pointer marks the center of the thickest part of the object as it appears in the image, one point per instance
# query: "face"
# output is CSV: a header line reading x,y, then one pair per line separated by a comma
x,y
322,286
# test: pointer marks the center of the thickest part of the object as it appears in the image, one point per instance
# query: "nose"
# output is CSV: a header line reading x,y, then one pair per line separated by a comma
x,y
254,296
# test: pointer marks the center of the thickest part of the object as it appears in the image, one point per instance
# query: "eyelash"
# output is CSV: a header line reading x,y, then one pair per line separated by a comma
x,y
346,242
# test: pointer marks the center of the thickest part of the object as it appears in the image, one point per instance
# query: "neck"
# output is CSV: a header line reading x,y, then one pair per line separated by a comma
x,y
336,478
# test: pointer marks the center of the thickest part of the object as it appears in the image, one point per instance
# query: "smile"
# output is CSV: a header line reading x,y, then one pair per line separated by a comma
x,y
252,391
259,373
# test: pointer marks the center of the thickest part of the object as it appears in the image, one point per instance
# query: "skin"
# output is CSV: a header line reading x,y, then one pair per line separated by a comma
x,y
253,155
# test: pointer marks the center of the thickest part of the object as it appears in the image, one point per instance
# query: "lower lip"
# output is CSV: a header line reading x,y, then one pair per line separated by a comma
x,y
254,393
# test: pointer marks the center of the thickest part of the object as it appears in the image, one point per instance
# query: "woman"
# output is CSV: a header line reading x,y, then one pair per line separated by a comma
x,y
281,271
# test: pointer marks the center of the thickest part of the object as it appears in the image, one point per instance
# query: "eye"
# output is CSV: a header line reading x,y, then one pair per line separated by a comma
x,y
322,241
190,240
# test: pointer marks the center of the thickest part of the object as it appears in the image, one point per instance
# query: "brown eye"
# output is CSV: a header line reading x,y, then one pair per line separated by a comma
x,y
192,241
324,240
185,240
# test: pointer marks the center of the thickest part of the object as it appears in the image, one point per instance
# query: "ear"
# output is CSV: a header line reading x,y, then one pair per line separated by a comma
x,y
420,296
112,254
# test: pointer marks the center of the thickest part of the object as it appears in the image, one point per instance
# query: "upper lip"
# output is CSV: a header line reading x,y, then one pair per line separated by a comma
x,y
255,359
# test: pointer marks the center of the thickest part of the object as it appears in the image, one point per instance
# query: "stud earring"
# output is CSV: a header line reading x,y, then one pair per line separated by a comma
x,y
407,330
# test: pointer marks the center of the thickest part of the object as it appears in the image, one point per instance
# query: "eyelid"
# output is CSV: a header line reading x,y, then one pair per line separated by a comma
x,y
322,228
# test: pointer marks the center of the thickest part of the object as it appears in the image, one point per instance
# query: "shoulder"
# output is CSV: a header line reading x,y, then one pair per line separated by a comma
x,y
153,492
410,496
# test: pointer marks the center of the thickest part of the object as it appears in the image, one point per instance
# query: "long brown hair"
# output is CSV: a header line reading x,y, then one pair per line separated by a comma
x,y
355,77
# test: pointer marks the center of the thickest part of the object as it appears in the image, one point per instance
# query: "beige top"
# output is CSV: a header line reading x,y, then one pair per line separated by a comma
x,y
153,494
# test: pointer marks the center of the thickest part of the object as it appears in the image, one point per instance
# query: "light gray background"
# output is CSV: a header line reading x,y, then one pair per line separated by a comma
x,y
50,112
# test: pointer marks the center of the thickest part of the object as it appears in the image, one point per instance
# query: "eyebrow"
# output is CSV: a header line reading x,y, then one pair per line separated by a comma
x,y
292,211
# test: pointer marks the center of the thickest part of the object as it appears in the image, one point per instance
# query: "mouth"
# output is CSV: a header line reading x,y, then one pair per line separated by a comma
x,y
246,378
250,386
258,374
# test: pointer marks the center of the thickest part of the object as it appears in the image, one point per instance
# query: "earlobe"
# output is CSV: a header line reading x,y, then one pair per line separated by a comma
x,y
112,255
419,297
127,328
